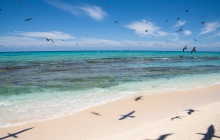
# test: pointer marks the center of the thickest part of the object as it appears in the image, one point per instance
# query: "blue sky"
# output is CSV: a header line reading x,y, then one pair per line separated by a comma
x,y
90,25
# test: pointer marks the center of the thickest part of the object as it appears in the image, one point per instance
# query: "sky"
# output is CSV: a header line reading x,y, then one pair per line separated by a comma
x,y
109,25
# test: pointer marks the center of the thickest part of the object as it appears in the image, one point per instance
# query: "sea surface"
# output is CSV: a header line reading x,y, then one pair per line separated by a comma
x,y
37,86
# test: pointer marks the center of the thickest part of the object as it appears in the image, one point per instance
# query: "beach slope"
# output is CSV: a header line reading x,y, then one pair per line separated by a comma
x,y
178,115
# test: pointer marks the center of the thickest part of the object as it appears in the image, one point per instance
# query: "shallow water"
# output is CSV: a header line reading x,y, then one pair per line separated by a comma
x,y
38,86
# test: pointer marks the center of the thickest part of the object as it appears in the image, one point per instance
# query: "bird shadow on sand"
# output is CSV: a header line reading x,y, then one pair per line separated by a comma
x,y
176,117
127,115
138,98
14,135
161,137
209,134
190,111
95,113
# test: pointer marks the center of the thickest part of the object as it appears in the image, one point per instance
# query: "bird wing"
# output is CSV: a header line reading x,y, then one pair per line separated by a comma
x,y
52,40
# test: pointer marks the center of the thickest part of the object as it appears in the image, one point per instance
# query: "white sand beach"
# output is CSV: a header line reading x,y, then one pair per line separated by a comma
x,y
173,116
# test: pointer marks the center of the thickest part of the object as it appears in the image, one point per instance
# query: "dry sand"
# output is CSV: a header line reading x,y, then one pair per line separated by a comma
x,y
148,118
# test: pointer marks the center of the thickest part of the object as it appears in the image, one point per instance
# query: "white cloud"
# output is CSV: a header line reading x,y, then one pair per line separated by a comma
x,y
52,35
187,32
30,43
218,34
63,6
19,41
141,27
174,37
209,27
180,23
94,12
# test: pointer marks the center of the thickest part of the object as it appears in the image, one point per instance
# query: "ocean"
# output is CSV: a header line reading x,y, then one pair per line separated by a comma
x,y
38,86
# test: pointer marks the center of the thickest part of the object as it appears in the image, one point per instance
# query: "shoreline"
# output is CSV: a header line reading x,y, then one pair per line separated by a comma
x,y
103,122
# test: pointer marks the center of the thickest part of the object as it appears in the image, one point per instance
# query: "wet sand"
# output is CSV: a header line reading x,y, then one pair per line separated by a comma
x,y
178,115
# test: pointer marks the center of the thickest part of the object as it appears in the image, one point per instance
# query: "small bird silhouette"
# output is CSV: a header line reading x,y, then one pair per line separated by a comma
x,y
116,21
177,18
180,29
203,16
20,1
187,10
185,48
146,30
28,19
195,39
167,20
0,9
49,39
193,50
203,23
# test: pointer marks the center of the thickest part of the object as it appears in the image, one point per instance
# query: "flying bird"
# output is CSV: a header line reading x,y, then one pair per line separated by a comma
x,y
108,6
185,48
76,44
177,18
187,10
146,30
167,20
203,16
116,21
195,39
203,23
20,1
28,19
49,39
0,9
180,29
193,50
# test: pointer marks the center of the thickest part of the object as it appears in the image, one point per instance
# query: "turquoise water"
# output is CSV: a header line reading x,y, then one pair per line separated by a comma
x,y
36,86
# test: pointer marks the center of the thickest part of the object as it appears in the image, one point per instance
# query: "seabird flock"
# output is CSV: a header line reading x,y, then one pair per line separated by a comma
x,y
116,21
